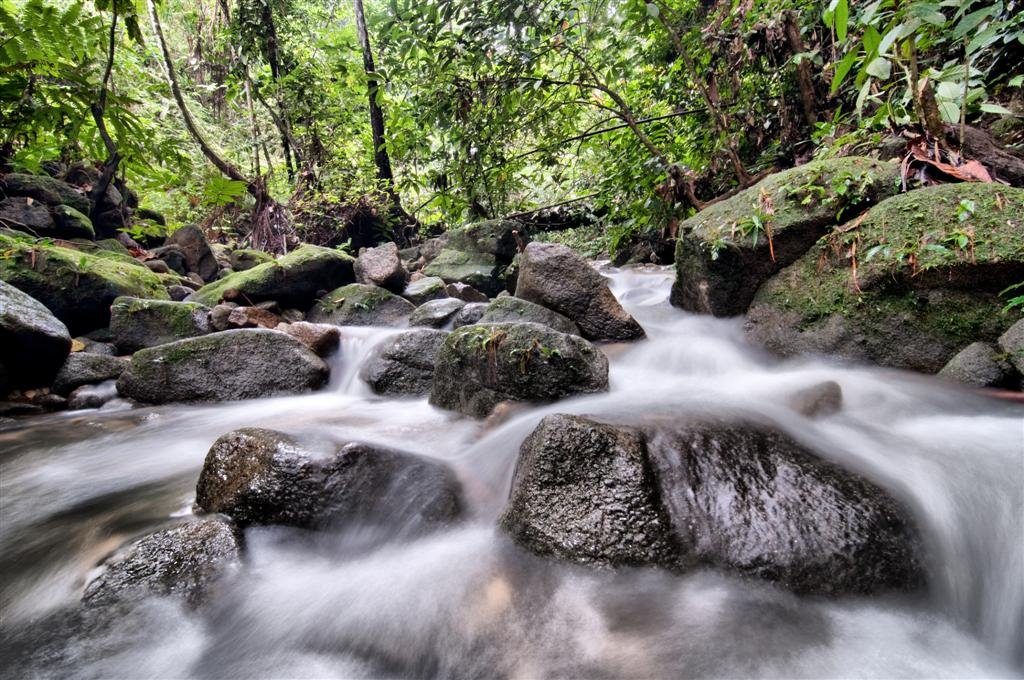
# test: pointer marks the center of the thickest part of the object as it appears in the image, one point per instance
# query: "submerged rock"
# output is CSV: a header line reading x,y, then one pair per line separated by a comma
x,y
238,364
358,304
260,476
512,309
820,399
481,365
189,561
436,313
381,266
83,368
980,365
33,342
136,324
404,364
553,276
92,396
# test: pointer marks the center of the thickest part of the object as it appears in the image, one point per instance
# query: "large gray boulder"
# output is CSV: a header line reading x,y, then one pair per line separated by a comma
x,y
425,289
84,368
482,365
381,266
237,364
32,217
479,270
33,342
358,304
980,365
554,276
436,313
199,257
1012,343
403,365
469,314
44,189
188,562
136,323
586,492
513,309
259,476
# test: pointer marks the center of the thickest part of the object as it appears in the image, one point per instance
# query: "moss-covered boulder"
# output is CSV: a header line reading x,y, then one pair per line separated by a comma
x,y
483,365
247,258
500,238
136,323
33,342
237,364
425,289
294,280
508,308
479,270
86,368
73,224
908,285
44,189
359,304
78,287
726,251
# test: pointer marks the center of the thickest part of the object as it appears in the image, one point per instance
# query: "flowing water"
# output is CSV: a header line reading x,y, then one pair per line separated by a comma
x,y
466,602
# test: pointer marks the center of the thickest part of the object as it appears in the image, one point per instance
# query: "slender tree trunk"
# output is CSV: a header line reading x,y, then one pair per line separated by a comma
x,y
274,59
803,69
98,110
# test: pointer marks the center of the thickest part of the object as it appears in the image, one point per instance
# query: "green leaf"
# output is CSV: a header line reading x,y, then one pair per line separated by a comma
x,y
880,67
842,16
842,70
990,107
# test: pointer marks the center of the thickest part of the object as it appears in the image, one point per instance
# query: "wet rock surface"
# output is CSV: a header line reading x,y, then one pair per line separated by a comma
x,y
404,364
33,342
513,309
358,304
382,266
980,364
322,338
83,368
436,313
136,324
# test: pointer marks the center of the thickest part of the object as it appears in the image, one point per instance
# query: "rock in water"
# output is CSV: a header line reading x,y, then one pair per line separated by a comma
x,y
238,364
511,309
83,368
436,313
553,276
136,324
358,304
188,561
425,289
585,491
198,256
404,364
469,315
1012,342
381,266
482,365
33,342
259,476
322,338
980,365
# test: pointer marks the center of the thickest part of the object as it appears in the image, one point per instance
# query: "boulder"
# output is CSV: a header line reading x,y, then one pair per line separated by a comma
x,y
586,492
724,253
83,368
157,266
469,314
1012,342
436,313
358,304
237,364
404,364
382,266
512,309
173,256
136,323
72,224
92,396
465,292
481,365
322,338
29,216
820,399
913,297
747,497
33,342
77,287
553,276
980,365
259,476
221,314
198,256
189,561
500,238
425,289
45,190
109,222
294,280
247,258
479,270
252,317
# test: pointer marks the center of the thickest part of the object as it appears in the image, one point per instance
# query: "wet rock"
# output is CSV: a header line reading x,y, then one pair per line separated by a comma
x,y
512,309
178,293
382,266
246,258
294,280
229,365
404,364
44,189
198,256
820,399
358,304
500,238
1012,342
980,365
465,292
157,266
72,224
189,561
586,492
83,368
50,402
424,289
94,346
92,396
77,287
436,313
322,338
553,276
481,365
220,314
136,323
259,476
19,408
722,256
469,314
252,317
173,256
33,342
479,270
749,498
31,217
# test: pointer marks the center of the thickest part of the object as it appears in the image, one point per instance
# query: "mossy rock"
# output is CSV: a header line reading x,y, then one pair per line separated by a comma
x,y
136,323
72,223
724,252
480,270
908,285
78,287
247,258
508,308
493,237
360,304
44,189
293,280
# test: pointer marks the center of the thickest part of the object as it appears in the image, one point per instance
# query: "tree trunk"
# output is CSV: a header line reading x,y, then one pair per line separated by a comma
x,y
803,69
274,59
98,110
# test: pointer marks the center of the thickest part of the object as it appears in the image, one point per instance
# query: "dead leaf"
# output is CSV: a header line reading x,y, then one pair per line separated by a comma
x,y
77,346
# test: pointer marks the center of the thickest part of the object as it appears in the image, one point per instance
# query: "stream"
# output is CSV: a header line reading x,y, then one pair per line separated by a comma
x,y
466,602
